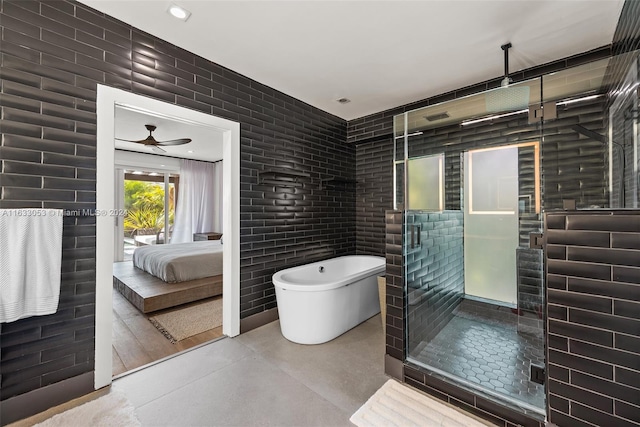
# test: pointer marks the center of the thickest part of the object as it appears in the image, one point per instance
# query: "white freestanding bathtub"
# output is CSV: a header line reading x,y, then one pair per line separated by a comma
x,y
320,301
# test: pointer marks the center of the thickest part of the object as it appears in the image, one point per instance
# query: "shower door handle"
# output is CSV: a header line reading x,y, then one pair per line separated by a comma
x,y
413,245
413,237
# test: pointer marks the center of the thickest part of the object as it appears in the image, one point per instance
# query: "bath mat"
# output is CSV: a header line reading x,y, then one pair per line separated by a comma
x,y
183,323
395,404
111,410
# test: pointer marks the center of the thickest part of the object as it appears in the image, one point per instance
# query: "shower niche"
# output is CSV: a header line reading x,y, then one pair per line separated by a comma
x,y
473,178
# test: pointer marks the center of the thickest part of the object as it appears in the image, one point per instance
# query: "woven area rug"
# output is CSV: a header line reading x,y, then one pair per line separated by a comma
x,y
395,404
111,410
183,323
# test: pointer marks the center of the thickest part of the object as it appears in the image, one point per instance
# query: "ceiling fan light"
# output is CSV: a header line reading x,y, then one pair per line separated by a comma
x,y
179,12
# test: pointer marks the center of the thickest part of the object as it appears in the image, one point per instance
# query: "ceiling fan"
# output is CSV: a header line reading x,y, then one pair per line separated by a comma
x,y
154,144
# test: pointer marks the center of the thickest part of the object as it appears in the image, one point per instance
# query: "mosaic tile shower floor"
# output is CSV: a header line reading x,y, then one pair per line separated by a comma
x,y
482,346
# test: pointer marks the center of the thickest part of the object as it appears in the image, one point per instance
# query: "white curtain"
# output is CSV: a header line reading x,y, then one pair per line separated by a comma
x,y
199,206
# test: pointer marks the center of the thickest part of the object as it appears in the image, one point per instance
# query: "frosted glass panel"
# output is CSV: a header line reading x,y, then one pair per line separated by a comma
x,y
491,223
494,180
426,183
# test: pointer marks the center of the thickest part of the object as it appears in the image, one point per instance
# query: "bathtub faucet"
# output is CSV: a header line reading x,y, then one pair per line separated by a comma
x,y
321,269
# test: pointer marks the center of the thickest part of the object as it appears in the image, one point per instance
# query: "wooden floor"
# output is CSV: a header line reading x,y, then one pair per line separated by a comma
x,y
136,342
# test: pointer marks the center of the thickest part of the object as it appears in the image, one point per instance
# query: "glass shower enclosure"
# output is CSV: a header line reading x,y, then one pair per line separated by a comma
x,y
474,176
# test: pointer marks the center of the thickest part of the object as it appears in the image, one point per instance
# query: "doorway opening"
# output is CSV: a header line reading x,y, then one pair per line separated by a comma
x,y
226,133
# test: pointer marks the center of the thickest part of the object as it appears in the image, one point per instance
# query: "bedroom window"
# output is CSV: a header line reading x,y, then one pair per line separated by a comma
x,y
148,201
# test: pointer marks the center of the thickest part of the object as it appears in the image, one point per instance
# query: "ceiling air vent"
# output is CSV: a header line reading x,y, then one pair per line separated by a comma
x,y
439,116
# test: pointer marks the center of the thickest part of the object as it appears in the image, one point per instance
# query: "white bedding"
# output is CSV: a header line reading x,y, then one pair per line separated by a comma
x,y
180,262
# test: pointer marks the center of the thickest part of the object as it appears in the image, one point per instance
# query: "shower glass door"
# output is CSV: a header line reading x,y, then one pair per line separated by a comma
x,y
474,291
473,287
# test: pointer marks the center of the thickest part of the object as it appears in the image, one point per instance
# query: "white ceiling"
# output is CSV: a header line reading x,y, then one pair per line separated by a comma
x,y
206,142
379,54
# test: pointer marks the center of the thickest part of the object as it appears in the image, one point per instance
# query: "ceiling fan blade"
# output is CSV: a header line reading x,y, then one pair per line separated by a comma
x,y
175,141
153,143
141,141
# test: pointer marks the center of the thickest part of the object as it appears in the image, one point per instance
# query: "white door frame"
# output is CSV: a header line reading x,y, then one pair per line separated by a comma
x,y
107,100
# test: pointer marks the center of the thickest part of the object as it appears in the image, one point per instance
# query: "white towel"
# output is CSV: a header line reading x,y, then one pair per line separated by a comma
x,y
30,261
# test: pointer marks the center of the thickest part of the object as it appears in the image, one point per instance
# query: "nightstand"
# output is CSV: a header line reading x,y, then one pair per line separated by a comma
x,y
206,236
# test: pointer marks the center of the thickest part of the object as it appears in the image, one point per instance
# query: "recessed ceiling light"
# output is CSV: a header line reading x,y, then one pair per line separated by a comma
x,y
189,151
137,172
344,100
179,12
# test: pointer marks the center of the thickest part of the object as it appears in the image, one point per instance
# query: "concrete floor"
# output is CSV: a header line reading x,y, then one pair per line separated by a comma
x,y
256,379
260,378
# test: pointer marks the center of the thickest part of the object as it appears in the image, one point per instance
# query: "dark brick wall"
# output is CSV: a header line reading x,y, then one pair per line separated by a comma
x,y
593,325
54,53
396,299
374,195
434,273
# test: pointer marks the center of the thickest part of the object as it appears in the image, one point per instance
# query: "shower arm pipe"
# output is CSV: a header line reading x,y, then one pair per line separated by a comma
x,y
505,48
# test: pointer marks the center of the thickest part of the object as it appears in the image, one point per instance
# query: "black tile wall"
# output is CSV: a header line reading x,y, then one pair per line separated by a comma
x,y
594,362
396,299
53,55
374,195
434,273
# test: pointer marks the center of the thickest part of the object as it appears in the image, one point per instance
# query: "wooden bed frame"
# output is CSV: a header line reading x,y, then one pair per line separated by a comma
x,y
148,293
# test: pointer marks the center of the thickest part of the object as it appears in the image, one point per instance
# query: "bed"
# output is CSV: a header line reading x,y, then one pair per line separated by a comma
x,y
180,262
163,276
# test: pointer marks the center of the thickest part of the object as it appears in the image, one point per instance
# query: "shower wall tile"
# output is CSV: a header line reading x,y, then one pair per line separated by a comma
x,y
595,339
435,272
54,53
585,302
396,304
